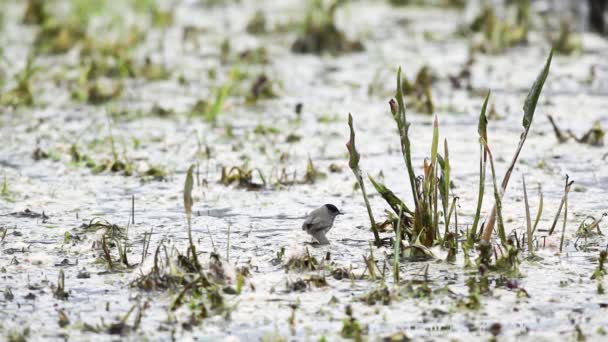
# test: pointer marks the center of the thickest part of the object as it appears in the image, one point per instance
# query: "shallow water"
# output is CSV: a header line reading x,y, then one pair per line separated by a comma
x,y
258,223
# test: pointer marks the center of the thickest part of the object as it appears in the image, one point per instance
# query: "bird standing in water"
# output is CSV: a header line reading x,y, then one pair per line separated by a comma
x,y
320,221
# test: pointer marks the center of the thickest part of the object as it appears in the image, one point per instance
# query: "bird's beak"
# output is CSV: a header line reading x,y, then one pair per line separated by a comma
x,y
341,213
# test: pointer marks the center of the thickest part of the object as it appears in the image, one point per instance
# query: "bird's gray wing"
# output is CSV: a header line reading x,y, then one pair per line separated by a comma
x,y
312,221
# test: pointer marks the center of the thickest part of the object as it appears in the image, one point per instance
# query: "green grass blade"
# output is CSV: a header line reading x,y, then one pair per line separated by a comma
x,y
534,94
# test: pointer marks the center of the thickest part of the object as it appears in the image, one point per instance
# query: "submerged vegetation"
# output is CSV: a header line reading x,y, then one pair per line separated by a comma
x,y
320,33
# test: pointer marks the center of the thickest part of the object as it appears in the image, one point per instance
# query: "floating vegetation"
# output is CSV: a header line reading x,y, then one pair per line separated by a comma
x,y
320,32
110,231
594,136
27,213
243,177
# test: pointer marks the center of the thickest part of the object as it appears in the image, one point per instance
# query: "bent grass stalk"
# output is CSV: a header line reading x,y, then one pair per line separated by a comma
x,y
529,108
540,211
353,162
188,202
528,219
483,157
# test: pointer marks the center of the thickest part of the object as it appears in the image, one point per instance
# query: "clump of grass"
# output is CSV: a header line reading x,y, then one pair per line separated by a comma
x,y
97,92
257,23
566,42
431,190
210,110
587,229
183,274
21,94
531,229
563,204
320,32
379,295
305,262
312,173
58,37
120,327
351,328
424,220
600,271
64,320
60,292
494,35
418,91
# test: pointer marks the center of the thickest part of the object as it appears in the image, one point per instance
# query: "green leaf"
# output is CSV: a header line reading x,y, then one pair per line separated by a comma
x,y
399,96
482,126
534,94
354,156
393,201
435,141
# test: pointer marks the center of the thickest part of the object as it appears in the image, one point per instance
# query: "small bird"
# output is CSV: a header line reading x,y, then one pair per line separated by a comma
x,y
320,221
